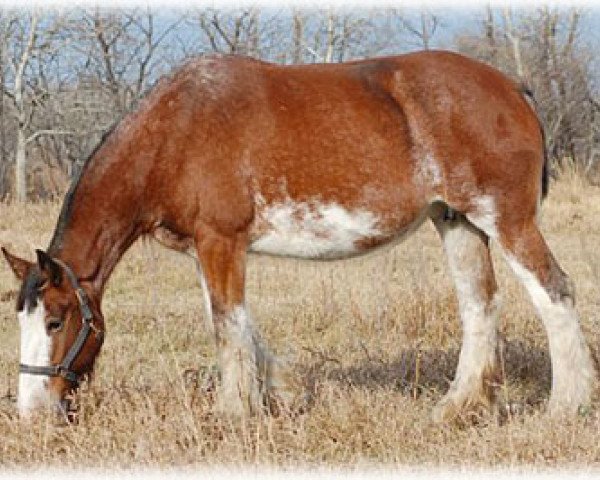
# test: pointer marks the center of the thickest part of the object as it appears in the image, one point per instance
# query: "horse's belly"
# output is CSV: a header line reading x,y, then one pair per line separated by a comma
x,y
315,230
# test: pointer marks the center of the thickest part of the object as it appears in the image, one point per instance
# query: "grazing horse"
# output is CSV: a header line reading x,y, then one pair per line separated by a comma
x,y
232,155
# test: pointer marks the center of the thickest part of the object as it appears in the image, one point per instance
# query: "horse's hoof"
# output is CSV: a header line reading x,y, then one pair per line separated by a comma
x,y
469,409
445,411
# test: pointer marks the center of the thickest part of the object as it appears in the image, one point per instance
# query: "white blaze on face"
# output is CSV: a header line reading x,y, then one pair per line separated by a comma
x,y
35,350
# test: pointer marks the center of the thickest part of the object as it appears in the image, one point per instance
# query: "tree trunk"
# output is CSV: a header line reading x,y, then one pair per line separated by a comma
x,y
298,33
515,42
425,34
22,114
3,149
490,35
21,167
330,39
253,34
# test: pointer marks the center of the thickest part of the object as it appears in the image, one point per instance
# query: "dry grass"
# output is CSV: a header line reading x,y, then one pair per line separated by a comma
x,y
375,338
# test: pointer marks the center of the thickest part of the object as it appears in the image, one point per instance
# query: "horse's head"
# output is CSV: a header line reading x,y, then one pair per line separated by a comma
x,y
61,331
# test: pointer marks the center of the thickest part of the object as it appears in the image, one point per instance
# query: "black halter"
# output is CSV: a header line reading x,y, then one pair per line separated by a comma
x,y
63,369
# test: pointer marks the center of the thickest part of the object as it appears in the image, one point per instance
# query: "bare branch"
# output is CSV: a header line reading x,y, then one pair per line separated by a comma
x,y
40,133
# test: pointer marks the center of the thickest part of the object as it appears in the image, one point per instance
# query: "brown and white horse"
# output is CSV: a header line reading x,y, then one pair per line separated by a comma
x,y
232,155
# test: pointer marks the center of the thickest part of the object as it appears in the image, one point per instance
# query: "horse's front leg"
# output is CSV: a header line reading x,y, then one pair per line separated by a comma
x,y
250,376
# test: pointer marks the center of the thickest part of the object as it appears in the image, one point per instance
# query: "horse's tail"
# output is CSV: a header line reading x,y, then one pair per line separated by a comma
x,y
545,180
546,167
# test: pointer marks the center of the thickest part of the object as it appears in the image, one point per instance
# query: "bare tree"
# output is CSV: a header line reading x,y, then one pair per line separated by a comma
x,y
330,35
30,51
233,31
121,48
513,38
422,29
4,156
18,96
336,35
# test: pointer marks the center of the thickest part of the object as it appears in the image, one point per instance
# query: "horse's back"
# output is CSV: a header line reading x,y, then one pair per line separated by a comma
x,y
433,115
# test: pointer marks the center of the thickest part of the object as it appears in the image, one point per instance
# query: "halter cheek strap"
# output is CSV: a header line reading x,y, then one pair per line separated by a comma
x,y
63,369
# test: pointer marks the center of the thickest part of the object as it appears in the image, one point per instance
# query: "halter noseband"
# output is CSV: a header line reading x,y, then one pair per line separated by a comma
x,y
63,369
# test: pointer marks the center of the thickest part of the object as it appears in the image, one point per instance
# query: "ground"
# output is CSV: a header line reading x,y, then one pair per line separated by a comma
x,y
375,339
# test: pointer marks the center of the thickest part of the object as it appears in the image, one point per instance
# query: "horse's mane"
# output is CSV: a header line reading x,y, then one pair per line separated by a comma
x,y
28,295
67,206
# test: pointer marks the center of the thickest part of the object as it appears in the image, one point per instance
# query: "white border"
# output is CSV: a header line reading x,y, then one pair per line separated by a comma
x,y
324,473
364,4
257,473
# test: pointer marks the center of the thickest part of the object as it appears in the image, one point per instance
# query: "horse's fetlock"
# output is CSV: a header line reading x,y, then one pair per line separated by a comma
x,y
560,287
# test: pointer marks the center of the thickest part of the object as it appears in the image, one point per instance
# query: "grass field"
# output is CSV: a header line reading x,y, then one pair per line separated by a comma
x,y
376,340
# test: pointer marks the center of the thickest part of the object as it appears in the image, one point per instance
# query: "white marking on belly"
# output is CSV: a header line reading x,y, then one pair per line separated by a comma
x,y
313,230
35,350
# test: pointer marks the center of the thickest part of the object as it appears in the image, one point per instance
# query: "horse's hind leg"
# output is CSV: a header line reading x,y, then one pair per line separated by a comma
x,y
249,375
471,268
552,293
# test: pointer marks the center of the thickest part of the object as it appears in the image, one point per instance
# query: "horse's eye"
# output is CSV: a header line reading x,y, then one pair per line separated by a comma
x,y
54,325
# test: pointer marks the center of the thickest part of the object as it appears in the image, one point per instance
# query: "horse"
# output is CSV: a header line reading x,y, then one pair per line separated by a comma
x,y
230,155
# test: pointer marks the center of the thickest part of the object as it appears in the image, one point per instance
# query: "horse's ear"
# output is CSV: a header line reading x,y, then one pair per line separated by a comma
x,y
49,267
19,266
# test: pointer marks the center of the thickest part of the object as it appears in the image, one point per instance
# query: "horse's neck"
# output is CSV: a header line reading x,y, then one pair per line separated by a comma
x,y
100,220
